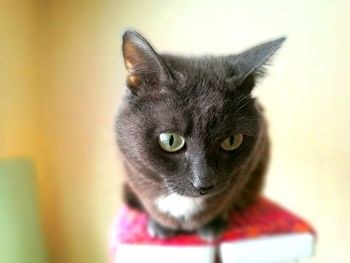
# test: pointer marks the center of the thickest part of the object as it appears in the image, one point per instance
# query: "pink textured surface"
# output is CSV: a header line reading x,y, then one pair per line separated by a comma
x,y
262,219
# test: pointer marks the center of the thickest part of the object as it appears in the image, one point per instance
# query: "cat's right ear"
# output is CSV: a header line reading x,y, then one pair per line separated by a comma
x,y
248,66
145,68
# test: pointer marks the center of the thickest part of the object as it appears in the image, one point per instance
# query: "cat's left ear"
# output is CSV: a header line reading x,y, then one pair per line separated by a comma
x,y
145,68
249,65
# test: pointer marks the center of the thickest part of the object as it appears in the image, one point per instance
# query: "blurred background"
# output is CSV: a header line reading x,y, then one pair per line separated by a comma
x,y
62,75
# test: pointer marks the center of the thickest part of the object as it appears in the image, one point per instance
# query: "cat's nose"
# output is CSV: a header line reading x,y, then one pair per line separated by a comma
x,y
202,188
202,176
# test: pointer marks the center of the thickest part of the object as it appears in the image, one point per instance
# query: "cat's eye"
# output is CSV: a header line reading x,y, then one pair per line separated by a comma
x,y
232,142
171,141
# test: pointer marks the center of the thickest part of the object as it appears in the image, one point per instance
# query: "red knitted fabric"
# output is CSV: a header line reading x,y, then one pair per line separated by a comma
x,y
262,219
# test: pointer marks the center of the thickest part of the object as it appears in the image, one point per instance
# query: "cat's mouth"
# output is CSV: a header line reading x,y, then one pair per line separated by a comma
x,y
194,192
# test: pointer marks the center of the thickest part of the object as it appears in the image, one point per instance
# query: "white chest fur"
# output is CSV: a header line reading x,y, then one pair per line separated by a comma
x,y
179,206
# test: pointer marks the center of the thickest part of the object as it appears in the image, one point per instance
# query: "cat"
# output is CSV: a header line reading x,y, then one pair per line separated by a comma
x,y
194,140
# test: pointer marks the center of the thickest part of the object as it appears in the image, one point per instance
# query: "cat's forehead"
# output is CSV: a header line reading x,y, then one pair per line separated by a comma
x,y
202,79
198,95
195,105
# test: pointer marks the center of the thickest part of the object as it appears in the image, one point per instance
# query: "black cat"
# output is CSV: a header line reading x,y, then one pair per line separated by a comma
x,y
193,138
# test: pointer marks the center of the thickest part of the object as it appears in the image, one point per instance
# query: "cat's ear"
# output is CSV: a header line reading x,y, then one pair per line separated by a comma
x,y
145,68
249,65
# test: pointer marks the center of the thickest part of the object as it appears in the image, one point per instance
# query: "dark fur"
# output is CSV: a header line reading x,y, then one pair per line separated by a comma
x,y
205,100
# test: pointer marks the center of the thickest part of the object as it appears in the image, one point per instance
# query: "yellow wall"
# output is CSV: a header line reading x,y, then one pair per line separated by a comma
x,y
63,76
18,92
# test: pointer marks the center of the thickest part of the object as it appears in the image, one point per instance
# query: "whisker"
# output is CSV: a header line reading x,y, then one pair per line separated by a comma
x,y
243,105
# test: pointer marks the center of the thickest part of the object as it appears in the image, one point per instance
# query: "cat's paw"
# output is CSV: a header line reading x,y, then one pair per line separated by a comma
x,y
213,230
154,229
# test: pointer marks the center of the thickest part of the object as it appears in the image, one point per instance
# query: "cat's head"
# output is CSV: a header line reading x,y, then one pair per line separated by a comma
x,y
189,124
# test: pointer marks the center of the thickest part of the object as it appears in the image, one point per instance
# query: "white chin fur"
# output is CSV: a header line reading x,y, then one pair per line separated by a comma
x,y
179,206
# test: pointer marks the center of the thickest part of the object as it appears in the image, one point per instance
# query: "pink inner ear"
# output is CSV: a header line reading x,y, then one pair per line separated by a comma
x,y
131,77
128,65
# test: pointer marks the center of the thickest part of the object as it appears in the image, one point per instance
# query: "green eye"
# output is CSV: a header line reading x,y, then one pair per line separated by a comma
x,y
232,142
171,142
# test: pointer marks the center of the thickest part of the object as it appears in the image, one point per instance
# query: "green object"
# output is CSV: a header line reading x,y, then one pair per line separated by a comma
x,y
171,141
21,235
